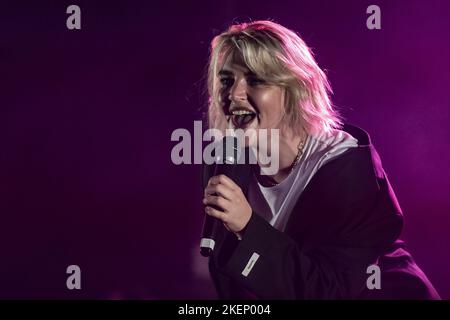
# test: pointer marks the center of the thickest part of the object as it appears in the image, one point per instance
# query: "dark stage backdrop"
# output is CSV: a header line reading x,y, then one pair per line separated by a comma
x,y
86,116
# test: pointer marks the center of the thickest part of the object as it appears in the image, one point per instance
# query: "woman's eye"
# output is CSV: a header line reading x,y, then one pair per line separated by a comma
x,y
255,81
226,81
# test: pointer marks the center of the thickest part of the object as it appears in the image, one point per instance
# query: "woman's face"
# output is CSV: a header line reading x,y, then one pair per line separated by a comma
x,y
247,100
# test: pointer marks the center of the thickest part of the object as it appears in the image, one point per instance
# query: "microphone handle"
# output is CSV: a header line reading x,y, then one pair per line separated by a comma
x,y
211,225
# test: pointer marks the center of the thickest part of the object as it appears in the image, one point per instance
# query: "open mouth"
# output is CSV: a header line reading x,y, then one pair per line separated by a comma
x,y
242,117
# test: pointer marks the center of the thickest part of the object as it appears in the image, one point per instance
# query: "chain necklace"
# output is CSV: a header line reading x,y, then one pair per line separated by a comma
x,y
294,164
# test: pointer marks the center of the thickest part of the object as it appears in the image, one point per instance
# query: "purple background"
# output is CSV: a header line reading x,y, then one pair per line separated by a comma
x,y
86,118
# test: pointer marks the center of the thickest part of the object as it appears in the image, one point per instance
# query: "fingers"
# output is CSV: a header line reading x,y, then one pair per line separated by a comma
x,y
223,179
225,201
220,202
223,186
219,189
216,213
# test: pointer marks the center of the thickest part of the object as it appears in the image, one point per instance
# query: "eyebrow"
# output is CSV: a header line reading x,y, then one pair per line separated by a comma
x,y
224,72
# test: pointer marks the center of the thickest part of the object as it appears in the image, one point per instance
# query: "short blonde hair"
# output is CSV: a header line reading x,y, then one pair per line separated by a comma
x,y
280,57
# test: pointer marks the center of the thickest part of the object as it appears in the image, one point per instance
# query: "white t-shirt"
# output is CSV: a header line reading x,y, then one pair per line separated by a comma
x,y
275,203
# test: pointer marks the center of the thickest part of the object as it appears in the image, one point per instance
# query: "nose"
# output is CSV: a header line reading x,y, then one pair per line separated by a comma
x,y
238,91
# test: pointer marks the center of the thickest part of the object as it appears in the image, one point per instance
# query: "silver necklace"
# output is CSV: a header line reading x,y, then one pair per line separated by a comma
x,y
294,164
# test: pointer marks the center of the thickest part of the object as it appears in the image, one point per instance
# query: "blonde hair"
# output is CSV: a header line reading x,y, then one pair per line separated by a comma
x,y
280,57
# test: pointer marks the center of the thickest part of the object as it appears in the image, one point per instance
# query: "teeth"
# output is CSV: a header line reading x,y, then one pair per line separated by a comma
x,y
241,112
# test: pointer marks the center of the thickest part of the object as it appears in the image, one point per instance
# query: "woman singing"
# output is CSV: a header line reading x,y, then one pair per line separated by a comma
x,y
327,224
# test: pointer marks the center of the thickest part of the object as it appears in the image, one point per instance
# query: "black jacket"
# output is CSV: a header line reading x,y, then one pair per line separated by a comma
x,y
345,220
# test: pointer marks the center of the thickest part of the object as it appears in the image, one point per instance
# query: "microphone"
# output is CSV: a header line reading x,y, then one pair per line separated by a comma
x,y
226,163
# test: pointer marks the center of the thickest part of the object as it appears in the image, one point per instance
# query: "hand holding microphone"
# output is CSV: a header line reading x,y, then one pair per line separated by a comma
x,y
224,198
233,208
